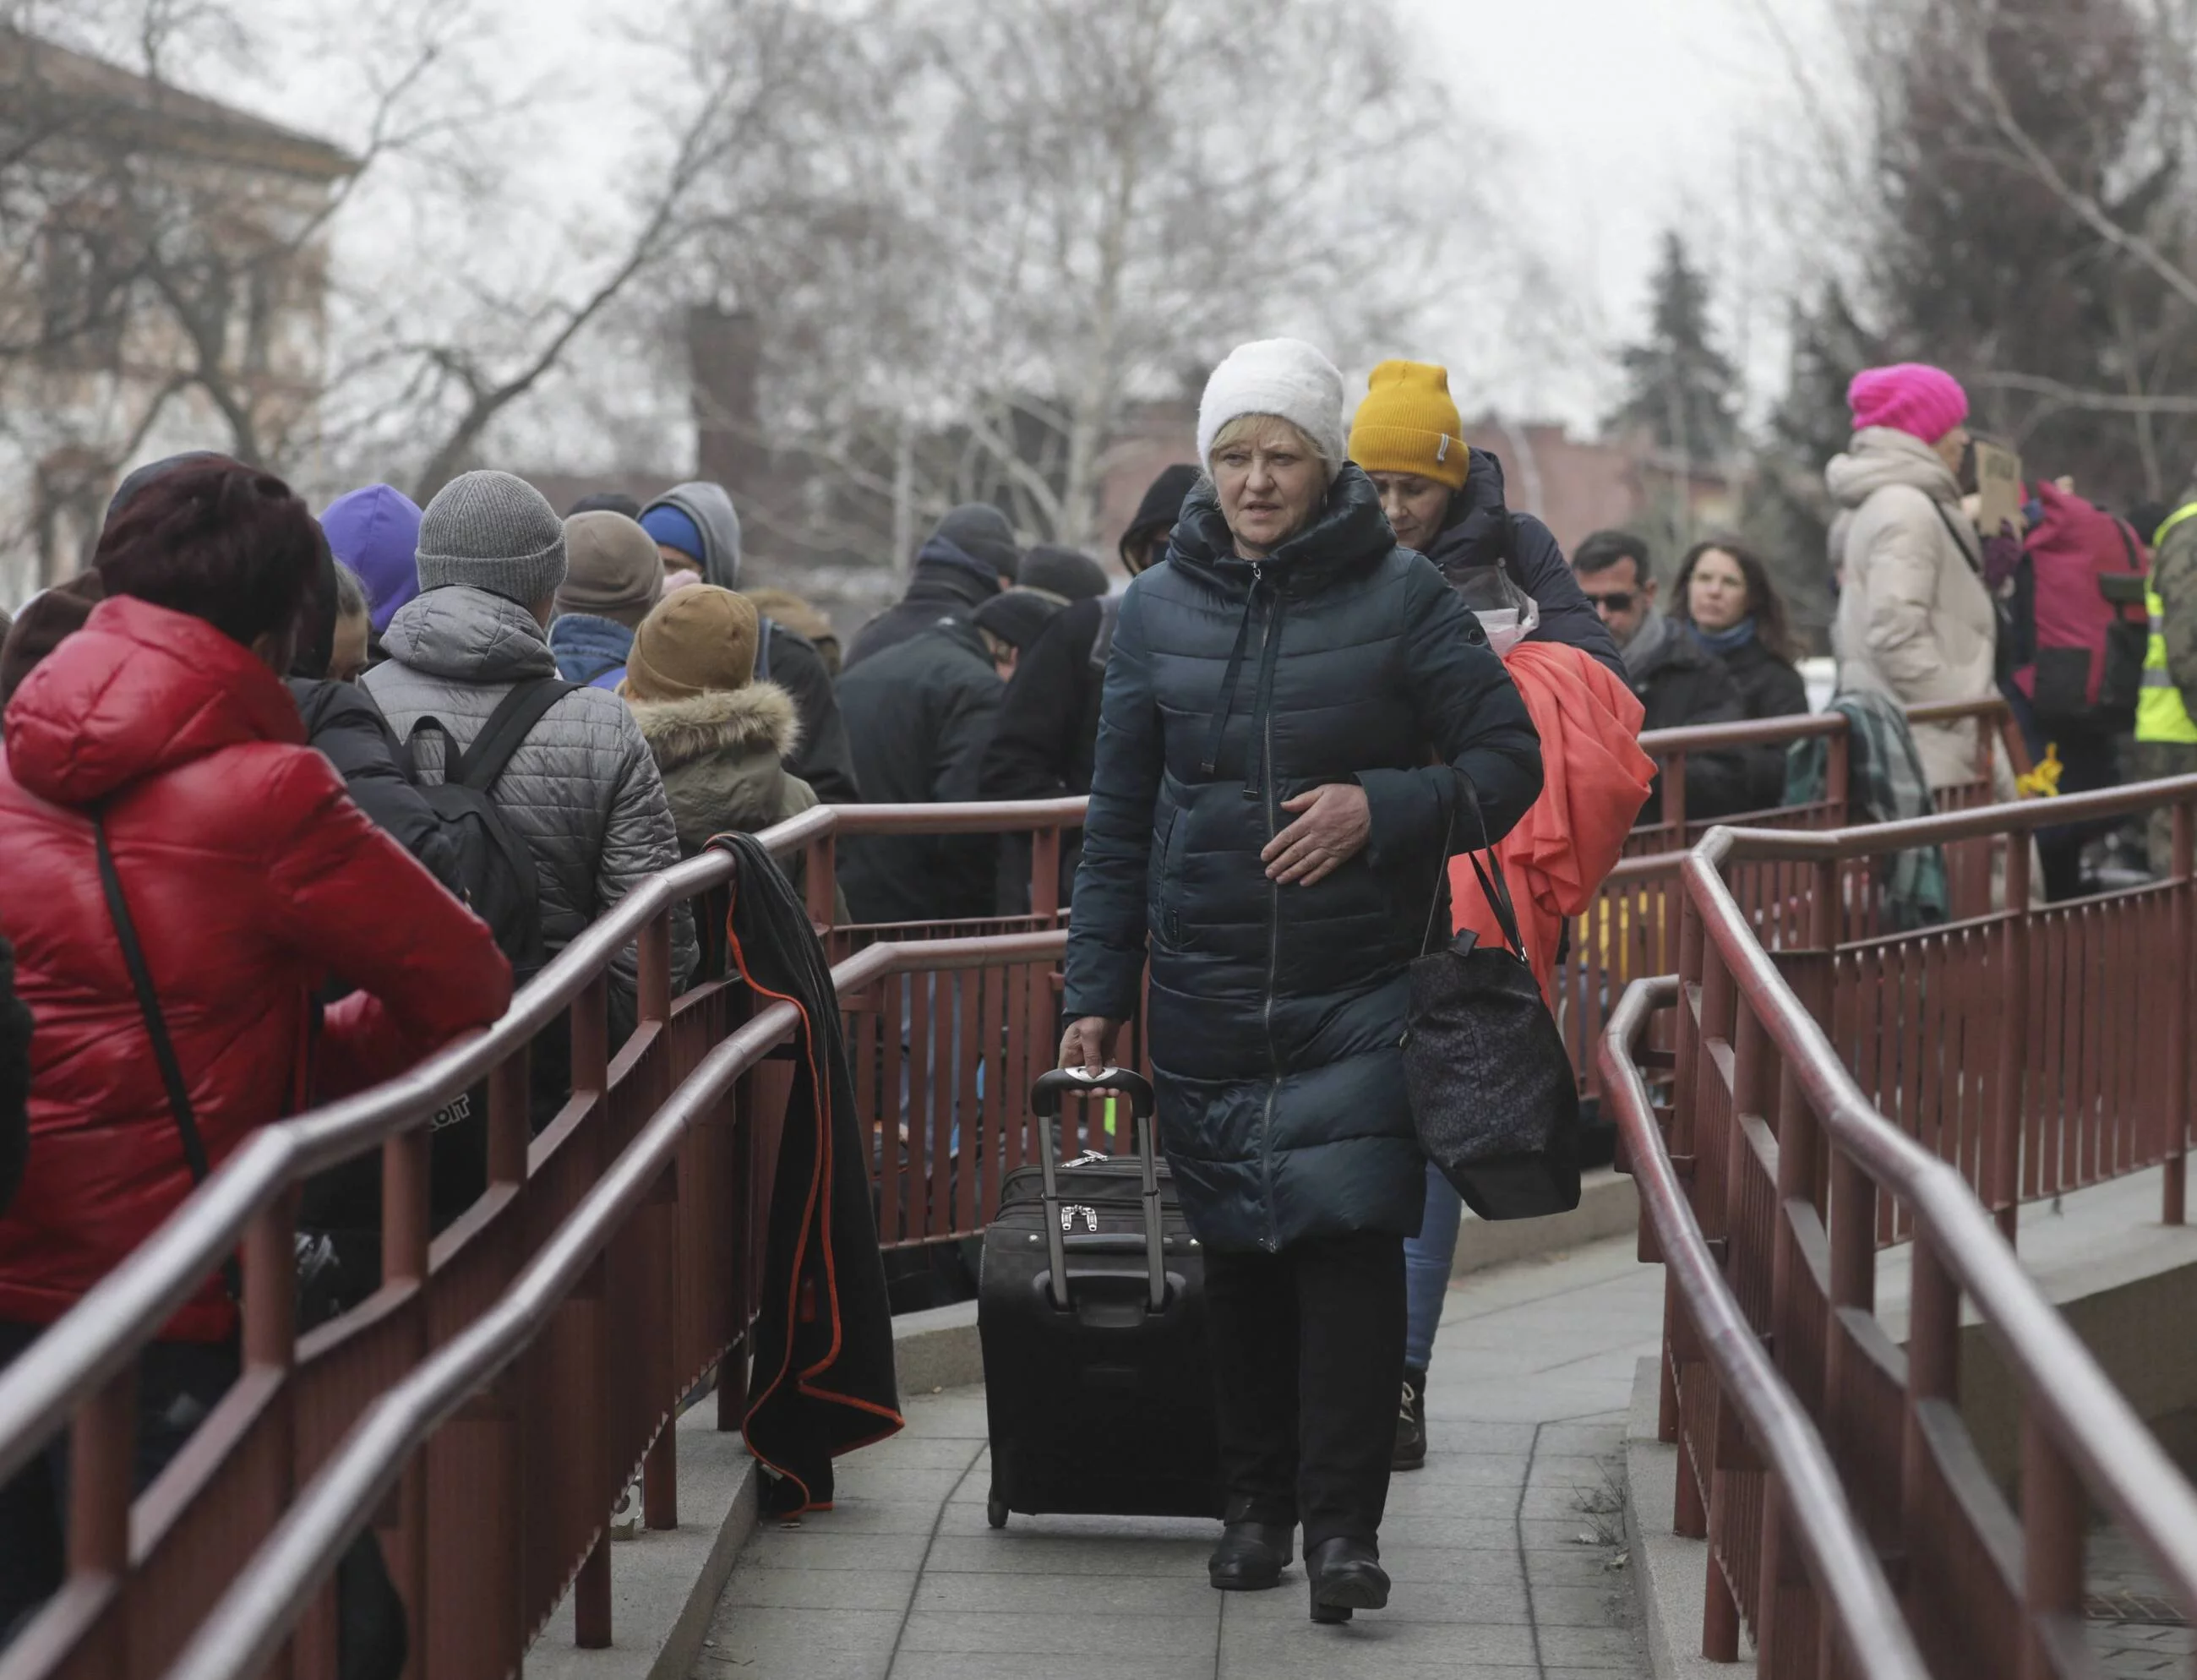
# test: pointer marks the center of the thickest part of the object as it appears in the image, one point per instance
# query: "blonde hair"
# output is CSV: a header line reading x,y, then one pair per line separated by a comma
x,y
1250,428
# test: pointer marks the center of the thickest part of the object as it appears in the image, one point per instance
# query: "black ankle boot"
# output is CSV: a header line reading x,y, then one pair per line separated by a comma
x,y
1251,1557
1410,1450
1346,1575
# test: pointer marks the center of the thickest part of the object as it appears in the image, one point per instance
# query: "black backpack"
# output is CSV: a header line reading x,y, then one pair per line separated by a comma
x,y
496,864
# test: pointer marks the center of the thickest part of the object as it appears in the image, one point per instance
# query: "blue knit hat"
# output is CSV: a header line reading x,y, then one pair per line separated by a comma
x,y
670,527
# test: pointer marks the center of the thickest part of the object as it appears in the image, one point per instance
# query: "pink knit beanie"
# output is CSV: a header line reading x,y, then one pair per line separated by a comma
x,y
1911,397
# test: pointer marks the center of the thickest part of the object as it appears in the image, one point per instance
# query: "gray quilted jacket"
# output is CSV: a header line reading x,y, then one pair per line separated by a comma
x,y
582,787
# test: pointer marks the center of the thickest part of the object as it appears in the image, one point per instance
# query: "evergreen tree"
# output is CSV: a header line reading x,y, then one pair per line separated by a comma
x,y
1785,512
1982,266
1679,387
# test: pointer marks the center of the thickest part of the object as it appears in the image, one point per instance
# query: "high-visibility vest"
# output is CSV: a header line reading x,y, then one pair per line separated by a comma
x,y
2160,714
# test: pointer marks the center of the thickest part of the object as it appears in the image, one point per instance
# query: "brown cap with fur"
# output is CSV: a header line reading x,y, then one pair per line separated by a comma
x,y
698,640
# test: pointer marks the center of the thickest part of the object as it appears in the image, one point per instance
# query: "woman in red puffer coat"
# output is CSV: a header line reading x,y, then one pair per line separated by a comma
x,y
249,873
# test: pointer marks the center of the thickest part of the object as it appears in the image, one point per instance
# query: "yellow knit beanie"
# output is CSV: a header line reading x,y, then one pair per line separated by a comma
x,y
1408,423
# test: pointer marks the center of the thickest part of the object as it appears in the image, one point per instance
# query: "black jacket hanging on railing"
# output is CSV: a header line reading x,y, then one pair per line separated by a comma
x,y
823,1381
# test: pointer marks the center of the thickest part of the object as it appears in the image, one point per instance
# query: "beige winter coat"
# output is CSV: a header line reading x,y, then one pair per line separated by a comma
x,y
1915,621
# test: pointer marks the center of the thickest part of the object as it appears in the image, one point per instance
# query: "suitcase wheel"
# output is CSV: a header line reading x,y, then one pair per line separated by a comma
x,y
995,1510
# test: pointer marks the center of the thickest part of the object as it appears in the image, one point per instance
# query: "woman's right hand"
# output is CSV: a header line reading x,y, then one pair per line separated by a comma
x,y
1089,1043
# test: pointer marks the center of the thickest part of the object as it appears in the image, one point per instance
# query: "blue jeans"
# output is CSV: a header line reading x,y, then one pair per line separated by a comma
x,y
1427,1259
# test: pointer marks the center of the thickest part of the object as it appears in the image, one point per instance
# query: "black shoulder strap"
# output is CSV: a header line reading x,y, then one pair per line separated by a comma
x,y
148,1003
1973,556
1497,889
764,627
507,727
156,1028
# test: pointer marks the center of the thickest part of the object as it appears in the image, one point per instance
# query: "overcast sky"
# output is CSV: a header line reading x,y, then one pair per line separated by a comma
x,y
1622,118
1615,120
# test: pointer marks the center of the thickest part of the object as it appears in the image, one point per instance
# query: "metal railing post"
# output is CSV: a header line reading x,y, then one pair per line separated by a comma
x,y
820,879
583,1310
1044,873
102,1462
659,1477
2174,1190
2002,1171
1933,1372
2054,1513
405,1222
1838,776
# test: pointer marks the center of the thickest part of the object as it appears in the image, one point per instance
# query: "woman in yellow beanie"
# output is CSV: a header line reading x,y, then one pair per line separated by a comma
x,y
1444,498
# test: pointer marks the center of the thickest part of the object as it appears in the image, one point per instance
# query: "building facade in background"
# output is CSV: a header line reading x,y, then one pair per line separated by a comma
x,y
163,285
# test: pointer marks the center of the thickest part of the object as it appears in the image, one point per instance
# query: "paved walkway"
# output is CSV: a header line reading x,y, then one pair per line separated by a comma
x,y
1506,1549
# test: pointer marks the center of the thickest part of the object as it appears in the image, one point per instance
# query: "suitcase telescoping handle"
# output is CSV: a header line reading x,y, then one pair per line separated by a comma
x,y
1044,1103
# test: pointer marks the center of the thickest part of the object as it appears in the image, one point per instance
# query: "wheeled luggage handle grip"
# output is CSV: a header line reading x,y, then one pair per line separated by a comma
x,y
1045,1103
1046,1094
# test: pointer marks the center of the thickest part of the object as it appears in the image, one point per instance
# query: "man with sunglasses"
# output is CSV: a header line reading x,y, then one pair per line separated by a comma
x,y
1679,682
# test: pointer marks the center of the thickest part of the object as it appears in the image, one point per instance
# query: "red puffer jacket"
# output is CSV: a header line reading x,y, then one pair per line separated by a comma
x,y
250,876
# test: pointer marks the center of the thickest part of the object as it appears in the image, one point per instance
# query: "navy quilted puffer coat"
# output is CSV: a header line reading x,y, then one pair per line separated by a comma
x,y
1276,1012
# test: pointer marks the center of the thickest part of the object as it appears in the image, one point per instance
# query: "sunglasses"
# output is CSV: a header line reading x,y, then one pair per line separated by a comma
x,y
1621,601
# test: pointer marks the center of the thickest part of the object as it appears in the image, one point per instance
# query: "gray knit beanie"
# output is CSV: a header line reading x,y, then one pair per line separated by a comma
x,y
493,531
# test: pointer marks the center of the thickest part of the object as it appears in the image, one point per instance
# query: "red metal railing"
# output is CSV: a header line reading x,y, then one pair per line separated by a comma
x,y
944,1040
246,1629
505,1508
1631,928
1772,1181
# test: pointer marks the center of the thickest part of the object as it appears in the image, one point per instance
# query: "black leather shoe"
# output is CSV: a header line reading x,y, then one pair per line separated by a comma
x,y
1346,1575
1251,1557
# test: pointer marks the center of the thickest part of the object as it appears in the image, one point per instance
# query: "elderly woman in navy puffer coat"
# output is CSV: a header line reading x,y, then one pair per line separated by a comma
x,y
1291,705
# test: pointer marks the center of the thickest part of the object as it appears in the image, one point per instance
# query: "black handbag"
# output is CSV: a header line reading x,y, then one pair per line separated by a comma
x,y
1492,1091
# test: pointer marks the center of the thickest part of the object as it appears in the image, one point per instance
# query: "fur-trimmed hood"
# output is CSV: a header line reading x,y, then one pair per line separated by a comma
x,y
760,717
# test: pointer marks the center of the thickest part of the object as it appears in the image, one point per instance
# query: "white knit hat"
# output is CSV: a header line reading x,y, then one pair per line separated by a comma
x,y
1275,376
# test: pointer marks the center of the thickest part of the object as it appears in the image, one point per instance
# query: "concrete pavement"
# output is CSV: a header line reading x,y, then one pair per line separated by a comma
x,y
1506,1549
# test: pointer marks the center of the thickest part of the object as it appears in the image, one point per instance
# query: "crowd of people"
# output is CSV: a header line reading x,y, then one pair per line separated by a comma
x,y
288,801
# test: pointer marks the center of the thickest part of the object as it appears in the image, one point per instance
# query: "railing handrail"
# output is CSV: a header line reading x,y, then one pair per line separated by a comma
x,y
266,1599
1760,732
2126,1467
1724,843
1003,816
1843,1561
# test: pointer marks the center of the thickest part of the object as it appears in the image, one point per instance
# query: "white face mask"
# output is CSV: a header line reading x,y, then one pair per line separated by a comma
x,y
1507,627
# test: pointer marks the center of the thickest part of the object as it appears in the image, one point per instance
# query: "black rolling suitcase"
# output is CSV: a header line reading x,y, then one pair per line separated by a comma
x,y
1092,1314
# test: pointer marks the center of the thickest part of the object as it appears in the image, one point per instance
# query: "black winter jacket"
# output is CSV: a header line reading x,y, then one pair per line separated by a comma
x,y
823,760
938,591
1047,731
1049,718
1481,531
1768,687
918,716
1275,1013
344,726
1688,684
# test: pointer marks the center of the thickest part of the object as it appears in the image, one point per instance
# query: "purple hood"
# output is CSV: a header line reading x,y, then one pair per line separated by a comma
x,y
375,532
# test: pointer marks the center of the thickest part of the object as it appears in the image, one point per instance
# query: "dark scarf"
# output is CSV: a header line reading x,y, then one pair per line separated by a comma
x,y
1727,641
823,1381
